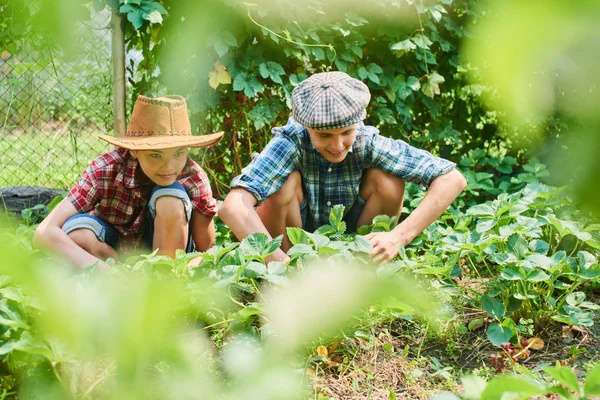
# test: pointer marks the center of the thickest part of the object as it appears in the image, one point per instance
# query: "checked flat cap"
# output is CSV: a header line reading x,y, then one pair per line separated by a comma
x,y
330,100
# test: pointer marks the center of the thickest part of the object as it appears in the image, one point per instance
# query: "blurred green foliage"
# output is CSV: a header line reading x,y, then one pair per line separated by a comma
x,y
145,330
431,66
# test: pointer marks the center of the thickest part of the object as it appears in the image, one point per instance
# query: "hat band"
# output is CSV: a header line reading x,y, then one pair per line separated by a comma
x,y
326,125
148,134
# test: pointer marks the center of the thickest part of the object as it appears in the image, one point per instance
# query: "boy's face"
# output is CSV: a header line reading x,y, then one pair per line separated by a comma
x,y
162,166
333,144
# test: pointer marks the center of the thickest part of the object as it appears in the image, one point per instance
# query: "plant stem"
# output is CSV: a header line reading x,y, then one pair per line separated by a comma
x,y
567,293
225,321
575,248
290,40
474,267
484,263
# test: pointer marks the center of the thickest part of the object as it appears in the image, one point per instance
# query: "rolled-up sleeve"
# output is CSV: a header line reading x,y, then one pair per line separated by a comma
x,y
198,188
269,170
84,195
398,158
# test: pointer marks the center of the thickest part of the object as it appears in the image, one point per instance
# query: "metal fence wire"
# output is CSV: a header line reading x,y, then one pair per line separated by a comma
x,y
52,108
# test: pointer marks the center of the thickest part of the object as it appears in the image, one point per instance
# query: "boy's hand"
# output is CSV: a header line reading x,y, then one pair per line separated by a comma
x,y
103,266
278,255
195,262
384,245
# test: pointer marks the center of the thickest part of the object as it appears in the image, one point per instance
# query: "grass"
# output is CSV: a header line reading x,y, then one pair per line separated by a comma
x,y
47,159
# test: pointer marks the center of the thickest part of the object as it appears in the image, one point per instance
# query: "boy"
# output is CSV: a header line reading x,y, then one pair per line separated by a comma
x,y
325,156
144,193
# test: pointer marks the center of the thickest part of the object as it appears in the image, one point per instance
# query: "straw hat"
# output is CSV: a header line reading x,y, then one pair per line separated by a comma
x,y
161,123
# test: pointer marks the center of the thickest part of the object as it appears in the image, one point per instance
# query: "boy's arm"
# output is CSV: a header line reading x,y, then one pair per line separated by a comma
x,y
442,192
239,215
49,236
203,231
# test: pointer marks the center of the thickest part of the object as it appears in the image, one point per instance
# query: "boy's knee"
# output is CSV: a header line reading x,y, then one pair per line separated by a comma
x,y
290,191
382,184
171,208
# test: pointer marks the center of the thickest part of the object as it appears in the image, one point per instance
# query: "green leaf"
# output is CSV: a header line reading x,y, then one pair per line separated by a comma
x,y
361,245
537,276
403,47
592,382
422,41
362,73
27,344
221,47
565,376
358,51
473,386
336,215
525,387
517,246
239,82
539,246
259,245
248,311
301,249
575,299
154,17
228,38
498,334
413,83
297,236
276,267
482,210
436,79
319,240
272,245
485,225
429,90
275,68
263,70
493,307
511,274
127,8
254,244
403,91
536,260
318,53
136,18
255,269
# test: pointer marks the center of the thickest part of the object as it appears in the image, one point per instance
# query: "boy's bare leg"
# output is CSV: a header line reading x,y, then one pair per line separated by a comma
x,y
282,209
171,226
383,194
87,240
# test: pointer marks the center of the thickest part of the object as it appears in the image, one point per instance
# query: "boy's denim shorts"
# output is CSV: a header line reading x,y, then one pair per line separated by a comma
x,y
106,233
351,217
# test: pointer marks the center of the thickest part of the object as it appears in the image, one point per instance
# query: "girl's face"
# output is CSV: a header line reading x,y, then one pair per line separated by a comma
x,y
161,166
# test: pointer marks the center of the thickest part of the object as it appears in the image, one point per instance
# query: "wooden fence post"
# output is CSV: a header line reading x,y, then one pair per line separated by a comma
x,y
118,64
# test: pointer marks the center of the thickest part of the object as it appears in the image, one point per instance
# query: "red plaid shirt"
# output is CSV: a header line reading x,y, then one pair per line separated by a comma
x,y
109,191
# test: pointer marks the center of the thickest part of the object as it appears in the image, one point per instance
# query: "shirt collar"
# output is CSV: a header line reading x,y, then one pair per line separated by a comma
x,y
127,174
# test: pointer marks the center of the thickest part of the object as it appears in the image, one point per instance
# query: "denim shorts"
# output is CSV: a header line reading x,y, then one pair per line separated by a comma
x,y
106,233
350,217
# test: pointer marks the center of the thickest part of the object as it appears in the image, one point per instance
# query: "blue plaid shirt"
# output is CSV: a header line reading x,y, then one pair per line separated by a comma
x,y
327,184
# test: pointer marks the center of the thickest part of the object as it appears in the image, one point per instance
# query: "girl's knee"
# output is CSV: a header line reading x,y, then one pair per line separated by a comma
x,y
84,238
87,240
170,209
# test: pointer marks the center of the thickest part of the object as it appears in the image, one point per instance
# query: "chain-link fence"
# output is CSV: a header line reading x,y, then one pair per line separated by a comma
x,y
52,108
